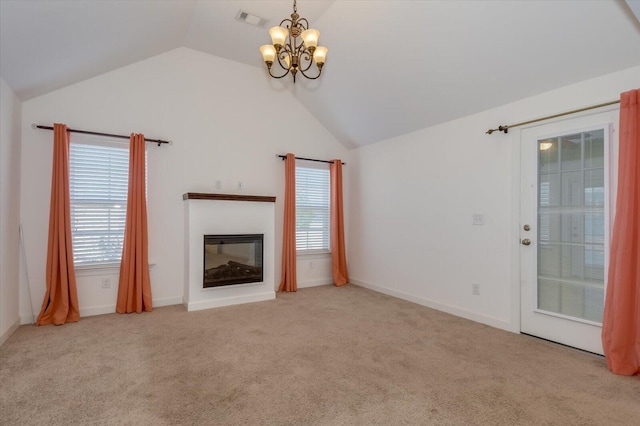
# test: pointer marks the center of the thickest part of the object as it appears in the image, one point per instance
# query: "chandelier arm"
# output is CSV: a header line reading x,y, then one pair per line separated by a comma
x,y
280,63
305,25
280,57
277,76
286,20
307,58
286,50
310,78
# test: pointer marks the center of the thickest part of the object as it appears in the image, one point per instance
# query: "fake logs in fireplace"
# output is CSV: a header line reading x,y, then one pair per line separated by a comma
x,y
232,259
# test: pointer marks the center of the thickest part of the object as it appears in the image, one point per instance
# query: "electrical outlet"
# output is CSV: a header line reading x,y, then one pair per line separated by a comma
x,y
475,289
218,184
478,219
240,186
106,283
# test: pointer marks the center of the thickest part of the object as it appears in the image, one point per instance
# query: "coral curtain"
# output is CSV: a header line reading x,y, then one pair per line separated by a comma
x,y
338,256
621,323
289,281
60,304
134,288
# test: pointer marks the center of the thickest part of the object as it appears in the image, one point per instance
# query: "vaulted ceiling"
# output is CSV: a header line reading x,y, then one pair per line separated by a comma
x,y
393,66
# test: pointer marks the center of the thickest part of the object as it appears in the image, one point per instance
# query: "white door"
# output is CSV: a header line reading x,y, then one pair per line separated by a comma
x,y
564,228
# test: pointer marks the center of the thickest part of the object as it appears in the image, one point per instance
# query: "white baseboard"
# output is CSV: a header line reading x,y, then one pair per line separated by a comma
x,y
228,301
110,309
493,322
168,301
314,283
26,319
10,330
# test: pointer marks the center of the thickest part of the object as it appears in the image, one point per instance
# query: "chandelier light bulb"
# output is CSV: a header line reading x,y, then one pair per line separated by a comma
x,y
320,55
310,38
268,53
278,36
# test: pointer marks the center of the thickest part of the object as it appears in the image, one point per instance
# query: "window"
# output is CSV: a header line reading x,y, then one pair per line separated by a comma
x,y
312,209
98,181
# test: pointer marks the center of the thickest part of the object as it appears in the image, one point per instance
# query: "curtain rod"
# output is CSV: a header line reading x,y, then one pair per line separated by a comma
x,y
111,135
284,157
507,127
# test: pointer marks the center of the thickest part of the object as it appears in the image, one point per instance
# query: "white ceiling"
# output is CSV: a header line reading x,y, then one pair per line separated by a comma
x,y
393,66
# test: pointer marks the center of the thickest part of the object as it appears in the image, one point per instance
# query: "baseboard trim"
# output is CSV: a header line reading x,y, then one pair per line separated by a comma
x,y
168,301
110,309
314,283
26,319
228,301
10,331
493,322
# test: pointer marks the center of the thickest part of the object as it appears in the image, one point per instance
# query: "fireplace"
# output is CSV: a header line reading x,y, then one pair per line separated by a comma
x,y
232,259
223,216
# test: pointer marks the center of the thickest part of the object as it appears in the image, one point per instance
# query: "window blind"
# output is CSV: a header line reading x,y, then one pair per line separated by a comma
x,y
312,209
98,181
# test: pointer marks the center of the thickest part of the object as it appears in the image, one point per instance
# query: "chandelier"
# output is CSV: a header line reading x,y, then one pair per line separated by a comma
x,y
292,54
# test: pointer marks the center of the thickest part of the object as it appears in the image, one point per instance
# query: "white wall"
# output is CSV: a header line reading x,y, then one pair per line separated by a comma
x,y
10,111
227,121
413,198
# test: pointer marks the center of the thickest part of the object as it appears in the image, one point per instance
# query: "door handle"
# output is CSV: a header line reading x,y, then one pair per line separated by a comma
x,y
526,242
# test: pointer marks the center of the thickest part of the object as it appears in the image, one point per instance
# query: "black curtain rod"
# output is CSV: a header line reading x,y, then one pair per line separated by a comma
x,y
508,126
111,135
284,157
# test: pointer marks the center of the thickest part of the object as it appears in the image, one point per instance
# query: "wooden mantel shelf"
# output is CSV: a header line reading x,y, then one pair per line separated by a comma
x,y
227,197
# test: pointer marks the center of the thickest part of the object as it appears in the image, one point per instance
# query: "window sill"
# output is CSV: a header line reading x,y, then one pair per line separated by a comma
x,y
316,254
100,269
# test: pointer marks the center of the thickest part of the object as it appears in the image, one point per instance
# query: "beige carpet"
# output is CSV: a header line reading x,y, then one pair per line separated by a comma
x,y
321,356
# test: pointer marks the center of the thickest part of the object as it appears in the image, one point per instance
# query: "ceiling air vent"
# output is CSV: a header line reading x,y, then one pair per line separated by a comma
x,y
250,19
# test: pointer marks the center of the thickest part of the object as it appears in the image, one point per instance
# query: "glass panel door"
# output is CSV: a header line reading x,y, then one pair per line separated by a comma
x,y
564,227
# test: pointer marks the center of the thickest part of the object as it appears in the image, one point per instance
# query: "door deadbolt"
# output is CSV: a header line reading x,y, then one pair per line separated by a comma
x,y
526,227
526,242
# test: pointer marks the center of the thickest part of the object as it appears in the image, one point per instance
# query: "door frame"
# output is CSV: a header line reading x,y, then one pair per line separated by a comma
x,y
515,139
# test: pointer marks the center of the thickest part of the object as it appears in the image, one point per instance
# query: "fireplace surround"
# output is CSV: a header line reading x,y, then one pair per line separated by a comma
x,y
221,215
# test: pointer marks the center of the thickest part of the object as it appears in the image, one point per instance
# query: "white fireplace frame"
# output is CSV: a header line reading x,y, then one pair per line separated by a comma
x,y
217,214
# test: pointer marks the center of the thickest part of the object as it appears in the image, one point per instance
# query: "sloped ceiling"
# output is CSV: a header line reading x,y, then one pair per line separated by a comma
x,y
393,66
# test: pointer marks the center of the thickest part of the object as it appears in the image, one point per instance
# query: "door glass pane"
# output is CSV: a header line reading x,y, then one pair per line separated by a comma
x,y
594,149
548,155
571,152
571,231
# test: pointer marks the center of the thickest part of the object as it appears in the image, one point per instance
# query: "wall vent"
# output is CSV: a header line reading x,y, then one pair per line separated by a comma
x,y
250,19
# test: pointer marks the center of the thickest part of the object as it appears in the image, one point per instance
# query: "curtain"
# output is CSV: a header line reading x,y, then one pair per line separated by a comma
x,y
621,322
60,304
289,281
338,256
134,288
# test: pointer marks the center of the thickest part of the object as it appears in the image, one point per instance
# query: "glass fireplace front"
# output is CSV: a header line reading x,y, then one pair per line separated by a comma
x,y
232,259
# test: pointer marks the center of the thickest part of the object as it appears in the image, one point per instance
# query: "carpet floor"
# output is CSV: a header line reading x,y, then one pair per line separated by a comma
x,y
321,356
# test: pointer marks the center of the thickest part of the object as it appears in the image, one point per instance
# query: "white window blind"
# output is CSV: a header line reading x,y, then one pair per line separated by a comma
x,y
98,180
312,209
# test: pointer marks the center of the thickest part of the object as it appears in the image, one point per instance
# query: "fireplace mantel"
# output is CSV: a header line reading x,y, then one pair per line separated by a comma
x,y
227,197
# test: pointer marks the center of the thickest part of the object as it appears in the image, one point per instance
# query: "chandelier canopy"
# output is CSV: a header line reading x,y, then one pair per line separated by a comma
x,y
292,54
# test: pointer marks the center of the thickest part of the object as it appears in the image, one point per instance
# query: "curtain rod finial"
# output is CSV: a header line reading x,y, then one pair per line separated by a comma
x,y
34,126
